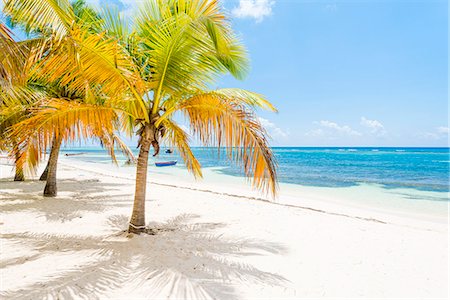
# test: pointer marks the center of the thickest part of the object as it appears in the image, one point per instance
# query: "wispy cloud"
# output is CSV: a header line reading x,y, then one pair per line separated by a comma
x,y
255,9
332,128
273,130
315,132
441,132
375,126
331,7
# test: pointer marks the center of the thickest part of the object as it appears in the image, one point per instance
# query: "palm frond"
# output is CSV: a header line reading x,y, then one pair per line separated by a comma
x,y
229,50
41,15
110,140
95,60
114,23
87,16
5,33
69,120
244,97
223,123
188,45
12,57
177,137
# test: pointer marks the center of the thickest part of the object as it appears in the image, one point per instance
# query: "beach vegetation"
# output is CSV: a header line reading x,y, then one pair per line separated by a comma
x,y
141,78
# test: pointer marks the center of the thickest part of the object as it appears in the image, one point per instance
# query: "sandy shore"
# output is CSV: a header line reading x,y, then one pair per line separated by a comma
x,y
210,244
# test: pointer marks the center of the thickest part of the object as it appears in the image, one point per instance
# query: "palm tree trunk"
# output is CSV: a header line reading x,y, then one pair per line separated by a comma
x,y
137,222
50,187
19,169
44,174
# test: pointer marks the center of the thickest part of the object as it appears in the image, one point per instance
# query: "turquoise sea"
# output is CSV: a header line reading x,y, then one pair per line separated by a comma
x,y
425,169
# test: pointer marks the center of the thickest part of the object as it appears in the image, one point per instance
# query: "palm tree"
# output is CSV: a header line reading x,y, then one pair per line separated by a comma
x,y
84,16
89,17
75,25
164,66
10,60
179,47
14,90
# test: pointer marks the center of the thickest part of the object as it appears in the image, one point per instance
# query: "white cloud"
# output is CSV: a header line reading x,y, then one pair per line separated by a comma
x,y
375,126
430,135
316,132
443,130
333,128
272,129
256,9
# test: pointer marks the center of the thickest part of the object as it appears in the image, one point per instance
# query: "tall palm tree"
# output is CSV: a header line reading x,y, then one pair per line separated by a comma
x,y
179,48
165,65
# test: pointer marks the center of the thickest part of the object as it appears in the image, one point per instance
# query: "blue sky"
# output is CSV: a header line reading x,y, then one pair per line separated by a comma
x,y
345,73
351,72
356,73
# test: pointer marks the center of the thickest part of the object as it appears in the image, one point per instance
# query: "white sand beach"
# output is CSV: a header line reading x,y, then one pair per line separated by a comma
x,y
213,240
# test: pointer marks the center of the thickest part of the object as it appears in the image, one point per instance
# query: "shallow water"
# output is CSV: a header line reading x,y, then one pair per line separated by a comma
x,y
423,169
410,182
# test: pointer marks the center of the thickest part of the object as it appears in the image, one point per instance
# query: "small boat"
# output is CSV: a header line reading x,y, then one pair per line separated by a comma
x,y
166,163
169,151
74,154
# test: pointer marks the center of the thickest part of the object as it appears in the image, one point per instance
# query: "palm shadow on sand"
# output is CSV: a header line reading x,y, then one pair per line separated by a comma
x,y
75,197
184,260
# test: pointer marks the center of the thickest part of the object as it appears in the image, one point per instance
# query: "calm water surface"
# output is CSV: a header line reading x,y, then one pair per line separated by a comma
x,y
418,168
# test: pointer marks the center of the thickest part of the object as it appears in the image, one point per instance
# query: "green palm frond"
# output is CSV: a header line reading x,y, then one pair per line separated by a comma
x,y
86,16
176,36
115,24
41,15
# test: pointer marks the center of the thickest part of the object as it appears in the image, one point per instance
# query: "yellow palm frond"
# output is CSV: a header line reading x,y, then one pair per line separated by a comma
x,y
241,97
177,137
5,33
69,120
11,58
95,60
110,141
222,123
247,98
